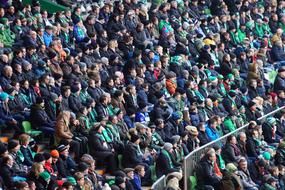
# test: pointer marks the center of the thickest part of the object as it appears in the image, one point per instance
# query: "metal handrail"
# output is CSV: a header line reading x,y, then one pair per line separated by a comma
x,y
157,183
218,140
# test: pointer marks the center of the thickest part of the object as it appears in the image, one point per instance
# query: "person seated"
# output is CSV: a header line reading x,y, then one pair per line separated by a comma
x,y
244,174
231,153
164,164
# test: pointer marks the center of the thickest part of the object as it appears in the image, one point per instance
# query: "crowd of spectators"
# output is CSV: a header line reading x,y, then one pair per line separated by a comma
x,y
132,86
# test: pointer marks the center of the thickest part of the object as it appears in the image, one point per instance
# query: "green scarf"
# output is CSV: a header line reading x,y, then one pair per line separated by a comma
x,y
223,89
106,136
93,116
24,98
221,162
200,96
166,154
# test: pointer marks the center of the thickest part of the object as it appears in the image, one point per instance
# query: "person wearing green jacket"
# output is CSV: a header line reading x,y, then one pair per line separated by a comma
x,y
229,123
5,38
259,32
241,35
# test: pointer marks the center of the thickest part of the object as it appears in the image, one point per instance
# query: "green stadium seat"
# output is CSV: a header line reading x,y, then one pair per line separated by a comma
x,y
193,182
27,129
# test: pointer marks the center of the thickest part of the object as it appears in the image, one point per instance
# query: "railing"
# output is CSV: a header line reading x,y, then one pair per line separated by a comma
x,y
191,159
159,184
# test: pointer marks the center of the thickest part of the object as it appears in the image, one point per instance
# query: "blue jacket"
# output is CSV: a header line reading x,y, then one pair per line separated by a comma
x,y
137,182
47,38
212,133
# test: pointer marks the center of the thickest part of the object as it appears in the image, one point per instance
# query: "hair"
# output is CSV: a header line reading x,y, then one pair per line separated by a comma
x,y
24,138
229,139
138,168
36,168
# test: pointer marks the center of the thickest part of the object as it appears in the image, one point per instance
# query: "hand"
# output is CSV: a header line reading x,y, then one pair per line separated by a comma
x,y
76,122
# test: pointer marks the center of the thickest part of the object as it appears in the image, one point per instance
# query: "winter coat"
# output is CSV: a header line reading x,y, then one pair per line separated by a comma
x,y
280,157
246,179
277,53
231,153
39,117
279,83
212,133
62,130
131,156
164,164
205,173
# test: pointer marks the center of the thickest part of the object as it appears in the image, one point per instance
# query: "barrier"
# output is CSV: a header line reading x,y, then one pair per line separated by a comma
x,y
159,184
191,159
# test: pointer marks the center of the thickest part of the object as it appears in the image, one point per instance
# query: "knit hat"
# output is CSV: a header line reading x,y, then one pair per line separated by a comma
x,y
134,138
4,96
3,148
192,130
12,144
167,146
54,153
82,166
46,155
52,54
271,120
71,180
45,175
266,155
175,139
176,115
39,158
220,77
231,167
61,148
251,104
119,180
39,100
281,69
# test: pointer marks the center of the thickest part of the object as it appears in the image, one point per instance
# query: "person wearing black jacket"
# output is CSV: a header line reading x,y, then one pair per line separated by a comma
x,y
39,118
7,172
279,83
251,112
252,144
132,155
231,153
164,164
100,149
205,173
280,154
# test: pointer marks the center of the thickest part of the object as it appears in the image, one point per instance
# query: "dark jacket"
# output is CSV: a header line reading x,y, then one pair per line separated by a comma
x,y
230,153
205,173
39,117
62,167
251,148
96,146
74,103
7,173
164,164
280,157
279,84
131,156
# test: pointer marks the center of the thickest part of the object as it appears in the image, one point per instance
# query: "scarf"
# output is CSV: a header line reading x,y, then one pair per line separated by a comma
x,y
236,150
166,154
